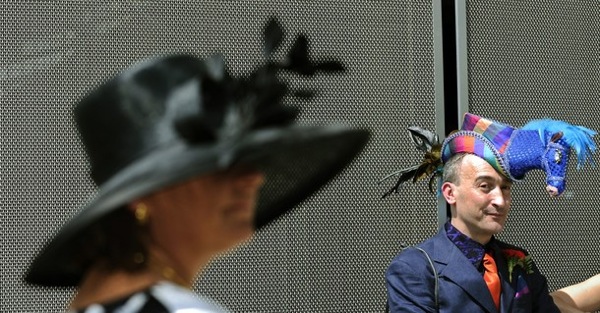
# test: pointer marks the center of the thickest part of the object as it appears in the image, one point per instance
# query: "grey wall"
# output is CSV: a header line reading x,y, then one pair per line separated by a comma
x,y
330,254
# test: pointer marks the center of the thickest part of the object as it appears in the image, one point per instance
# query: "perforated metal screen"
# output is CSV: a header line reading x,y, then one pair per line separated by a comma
x,y
534,59
526,59
330,254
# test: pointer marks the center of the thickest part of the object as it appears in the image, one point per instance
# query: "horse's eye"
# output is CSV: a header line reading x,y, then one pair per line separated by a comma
x,y
557,156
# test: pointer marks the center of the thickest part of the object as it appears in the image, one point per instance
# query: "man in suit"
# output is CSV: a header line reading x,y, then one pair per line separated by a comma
x,y
463,268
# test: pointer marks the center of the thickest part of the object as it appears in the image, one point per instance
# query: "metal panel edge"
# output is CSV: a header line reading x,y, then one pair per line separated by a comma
x,y
438,65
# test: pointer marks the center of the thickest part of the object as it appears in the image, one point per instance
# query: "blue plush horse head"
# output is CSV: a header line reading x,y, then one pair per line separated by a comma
x,y
554,142
540,144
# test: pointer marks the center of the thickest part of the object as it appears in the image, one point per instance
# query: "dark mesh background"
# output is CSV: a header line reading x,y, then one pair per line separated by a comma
x,y
330,254
532,59
526,59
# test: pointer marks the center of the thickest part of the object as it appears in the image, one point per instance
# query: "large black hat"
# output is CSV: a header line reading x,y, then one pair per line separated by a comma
x,y
171,118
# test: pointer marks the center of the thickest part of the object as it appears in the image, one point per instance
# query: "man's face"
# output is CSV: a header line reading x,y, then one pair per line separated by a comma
x,y
481,199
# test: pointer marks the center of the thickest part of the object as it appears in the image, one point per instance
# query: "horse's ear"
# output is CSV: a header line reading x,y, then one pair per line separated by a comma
x,y
556,137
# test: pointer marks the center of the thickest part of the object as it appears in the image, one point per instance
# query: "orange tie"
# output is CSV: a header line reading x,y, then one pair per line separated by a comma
x,y
491,278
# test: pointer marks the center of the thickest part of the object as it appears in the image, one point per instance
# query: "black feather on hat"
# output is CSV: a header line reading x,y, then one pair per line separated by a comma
x,y
169,119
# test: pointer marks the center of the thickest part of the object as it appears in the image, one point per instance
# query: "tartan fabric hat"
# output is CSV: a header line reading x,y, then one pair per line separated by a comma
x,y
540,144
483,137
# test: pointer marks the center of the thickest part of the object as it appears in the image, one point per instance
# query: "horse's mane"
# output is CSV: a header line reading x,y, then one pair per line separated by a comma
x,y
578,137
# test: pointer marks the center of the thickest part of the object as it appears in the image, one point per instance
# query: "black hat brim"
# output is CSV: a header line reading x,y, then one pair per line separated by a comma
x,y
296,162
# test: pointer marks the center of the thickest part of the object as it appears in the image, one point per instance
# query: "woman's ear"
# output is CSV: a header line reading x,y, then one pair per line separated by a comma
x,y
448,192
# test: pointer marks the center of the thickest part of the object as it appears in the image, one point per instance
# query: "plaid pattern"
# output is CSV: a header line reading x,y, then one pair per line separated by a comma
x,y
470,142
498,134
513,152
483,137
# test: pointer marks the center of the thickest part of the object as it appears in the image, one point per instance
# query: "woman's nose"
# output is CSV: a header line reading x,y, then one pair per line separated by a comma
x,y
249,177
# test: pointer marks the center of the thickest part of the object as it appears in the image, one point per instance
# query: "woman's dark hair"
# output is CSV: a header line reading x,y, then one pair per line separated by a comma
x,y
116,241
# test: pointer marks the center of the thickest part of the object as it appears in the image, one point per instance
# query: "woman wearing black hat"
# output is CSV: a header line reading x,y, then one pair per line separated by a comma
x,y
189,162
184,226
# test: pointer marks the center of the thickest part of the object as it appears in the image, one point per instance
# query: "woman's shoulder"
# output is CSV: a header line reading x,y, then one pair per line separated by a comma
x,y
163,297
175,298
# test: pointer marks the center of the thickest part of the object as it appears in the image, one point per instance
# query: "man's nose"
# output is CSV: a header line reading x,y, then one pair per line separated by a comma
x,y
499,199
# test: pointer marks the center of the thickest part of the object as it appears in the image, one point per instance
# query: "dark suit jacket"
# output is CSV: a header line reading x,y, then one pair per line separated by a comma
x,y
410,282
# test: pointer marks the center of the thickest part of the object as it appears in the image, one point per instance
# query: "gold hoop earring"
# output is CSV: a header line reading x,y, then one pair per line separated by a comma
x,y
141,213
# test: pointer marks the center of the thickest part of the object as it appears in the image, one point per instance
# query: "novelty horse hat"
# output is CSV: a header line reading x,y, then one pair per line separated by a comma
x,y
540,144
172,118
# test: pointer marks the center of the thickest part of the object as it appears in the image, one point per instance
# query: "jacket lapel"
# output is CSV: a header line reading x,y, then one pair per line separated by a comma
x,y
459,270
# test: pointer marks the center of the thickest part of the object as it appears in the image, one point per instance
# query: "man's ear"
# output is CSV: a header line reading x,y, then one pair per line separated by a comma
x,y
448,189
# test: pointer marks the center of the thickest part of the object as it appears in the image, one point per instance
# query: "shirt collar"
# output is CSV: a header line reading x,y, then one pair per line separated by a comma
x,y
472,249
